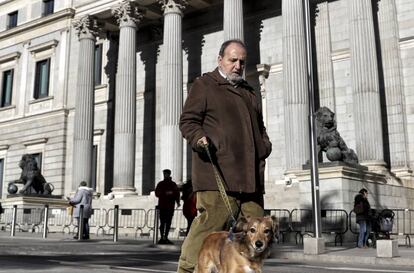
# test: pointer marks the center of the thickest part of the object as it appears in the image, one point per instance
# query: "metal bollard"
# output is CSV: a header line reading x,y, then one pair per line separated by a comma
x,y
13,225
80,223
156,224
116,214
45,221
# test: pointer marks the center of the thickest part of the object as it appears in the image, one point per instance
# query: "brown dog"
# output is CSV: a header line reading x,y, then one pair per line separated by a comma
x,y
241,252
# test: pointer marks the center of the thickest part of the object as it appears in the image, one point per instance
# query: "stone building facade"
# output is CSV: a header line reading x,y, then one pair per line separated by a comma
x,y
95,88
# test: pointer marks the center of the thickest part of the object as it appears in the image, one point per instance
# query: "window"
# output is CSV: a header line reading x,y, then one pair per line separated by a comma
x,y
94,166
38,158
41,88
1,175
98,64
12,20
6,88
48,6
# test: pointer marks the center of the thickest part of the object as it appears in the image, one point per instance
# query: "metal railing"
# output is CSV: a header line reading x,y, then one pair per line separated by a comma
x,y
333,221
142,223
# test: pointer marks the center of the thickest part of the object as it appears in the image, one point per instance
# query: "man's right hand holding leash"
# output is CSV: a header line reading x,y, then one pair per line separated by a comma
x,y
202,142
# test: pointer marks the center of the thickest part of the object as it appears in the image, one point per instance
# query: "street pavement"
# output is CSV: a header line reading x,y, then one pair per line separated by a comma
x,y
29,252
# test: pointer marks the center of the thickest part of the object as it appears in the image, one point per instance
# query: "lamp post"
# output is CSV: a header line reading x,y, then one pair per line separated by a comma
x,y
316,210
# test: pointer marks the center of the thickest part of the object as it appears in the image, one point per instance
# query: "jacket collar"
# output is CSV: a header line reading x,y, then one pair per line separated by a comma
x,y
216,76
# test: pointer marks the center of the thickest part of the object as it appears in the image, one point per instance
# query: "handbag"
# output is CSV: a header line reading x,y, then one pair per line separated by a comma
x,y
69,210
359,208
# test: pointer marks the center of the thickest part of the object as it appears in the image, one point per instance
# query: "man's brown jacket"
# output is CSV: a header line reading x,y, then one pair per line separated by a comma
x,y
232,120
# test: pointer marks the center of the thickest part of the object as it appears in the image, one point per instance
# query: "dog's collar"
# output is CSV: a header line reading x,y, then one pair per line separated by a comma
x,y
232,235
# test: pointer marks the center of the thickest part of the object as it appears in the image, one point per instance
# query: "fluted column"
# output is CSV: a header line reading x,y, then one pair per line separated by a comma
x,y
263,70
87,30
393,85
365,85
233,20
128,16
324,57
172,90
295,85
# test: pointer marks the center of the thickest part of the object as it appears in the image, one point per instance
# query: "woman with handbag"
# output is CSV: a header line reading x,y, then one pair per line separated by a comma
x,y
362,210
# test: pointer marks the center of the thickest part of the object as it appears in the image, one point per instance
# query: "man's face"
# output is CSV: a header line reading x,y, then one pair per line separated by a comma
x,y
233,62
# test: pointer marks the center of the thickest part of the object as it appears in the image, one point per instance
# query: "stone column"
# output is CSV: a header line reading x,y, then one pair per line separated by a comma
x,y
324,57
365,85
233,20
295,85
393,85
128,16
263,70
87,30
172,90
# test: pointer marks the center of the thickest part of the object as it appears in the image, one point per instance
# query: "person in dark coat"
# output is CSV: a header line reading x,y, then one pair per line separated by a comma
x,y
83,197
223,112
362,210
168,194
189,206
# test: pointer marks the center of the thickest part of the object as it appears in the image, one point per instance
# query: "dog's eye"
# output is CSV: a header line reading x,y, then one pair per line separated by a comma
x,y
267,231
252,230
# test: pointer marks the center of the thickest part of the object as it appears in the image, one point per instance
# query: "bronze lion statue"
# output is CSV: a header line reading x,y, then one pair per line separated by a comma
x,y
329,139
31,178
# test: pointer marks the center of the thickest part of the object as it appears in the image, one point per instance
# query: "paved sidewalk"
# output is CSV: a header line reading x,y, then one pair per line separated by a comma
x,y
347,254
64,244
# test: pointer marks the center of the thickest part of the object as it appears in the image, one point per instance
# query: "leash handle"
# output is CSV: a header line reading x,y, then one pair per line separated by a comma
x,y
220,186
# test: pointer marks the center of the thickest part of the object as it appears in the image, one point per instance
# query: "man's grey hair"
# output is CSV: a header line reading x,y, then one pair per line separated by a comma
x,y
227,43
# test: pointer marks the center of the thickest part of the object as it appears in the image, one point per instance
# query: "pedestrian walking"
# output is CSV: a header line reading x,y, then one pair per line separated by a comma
x,y
168,194
189,206
83,196
222,112
362,210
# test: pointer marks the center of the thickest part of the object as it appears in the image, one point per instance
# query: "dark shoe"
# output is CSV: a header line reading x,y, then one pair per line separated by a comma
x,y
85,237
75,237
168,242
161,241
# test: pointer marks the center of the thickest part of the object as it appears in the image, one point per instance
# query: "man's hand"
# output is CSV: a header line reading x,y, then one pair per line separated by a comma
x,y
202,142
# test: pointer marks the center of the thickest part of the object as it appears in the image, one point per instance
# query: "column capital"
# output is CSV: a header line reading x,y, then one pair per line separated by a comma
x,y
87,27
173,6
127,14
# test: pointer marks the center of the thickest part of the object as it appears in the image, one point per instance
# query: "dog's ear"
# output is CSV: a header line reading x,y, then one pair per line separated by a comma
x,y
275,224
241,224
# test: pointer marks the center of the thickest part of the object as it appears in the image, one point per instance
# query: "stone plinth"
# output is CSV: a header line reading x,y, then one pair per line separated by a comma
x,y
27,201
313,246
387,248
340,182
145,202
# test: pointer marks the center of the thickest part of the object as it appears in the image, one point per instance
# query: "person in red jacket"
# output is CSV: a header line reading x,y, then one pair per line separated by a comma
x,y
189,207
168,194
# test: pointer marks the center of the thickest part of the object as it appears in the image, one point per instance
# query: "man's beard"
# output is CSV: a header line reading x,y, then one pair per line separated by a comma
x,y
234,78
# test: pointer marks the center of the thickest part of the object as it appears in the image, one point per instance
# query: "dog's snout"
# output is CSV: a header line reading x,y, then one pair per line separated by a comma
x,y
259,244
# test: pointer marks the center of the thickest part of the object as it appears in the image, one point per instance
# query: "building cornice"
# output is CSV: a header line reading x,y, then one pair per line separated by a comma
x,y
407,42
63,14
49,44
9,57
35,141
5,2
